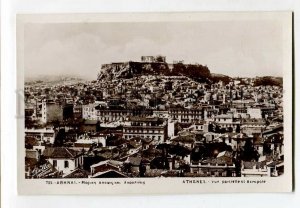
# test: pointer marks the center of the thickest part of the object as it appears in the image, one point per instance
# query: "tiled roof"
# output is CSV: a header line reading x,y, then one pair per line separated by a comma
x,y
219,161
30,163
44,171
136,161
170,173
275,164
134,144
153,172
256,165
185,139
143,119
225,153
114,163
258,140
147,140
253,121
90,122
32,154
60,152
78,173
108,154
31,140
224,116
109,174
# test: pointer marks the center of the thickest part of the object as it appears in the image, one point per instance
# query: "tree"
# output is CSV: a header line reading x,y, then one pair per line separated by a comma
x,y
29,123
157,163
249,152
238,166
142,170
30,142
184,168
267,149
218,77
60,138
179,150
267,80
230,129
160,59
56,124
165,148
217,129
210,127
197,153
68,113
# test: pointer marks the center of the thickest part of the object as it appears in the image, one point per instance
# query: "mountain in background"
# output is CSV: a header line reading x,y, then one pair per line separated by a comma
x,y
268,80
127,70
220,77
55,79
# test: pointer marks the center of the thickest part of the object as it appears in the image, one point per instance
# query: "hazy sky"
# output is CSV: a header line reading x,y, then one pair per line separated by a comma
x,y
235,48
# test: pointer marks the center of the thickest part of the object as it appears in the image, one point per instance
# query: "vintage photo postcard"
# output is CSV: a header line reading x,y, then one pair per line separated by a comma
x,y
154,103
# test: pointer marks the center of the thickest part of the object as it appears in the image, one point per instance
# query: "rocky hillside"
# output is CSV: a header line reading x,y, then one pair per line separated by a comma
x,y
54,79
268,80
128,70
220,77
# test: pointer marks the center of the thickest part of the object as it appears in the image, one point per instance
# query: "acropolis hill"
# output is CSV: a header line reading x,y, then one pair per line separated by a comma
x,y
153,65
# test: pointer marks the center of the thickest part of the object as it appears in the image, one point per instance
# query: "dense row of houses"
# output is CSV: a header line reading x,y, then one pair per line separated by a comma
x,y
153,126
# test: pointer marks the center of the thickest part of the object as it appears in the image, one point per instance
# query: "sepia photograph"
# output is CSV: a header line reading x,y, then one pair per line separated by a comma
x,y
132,102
